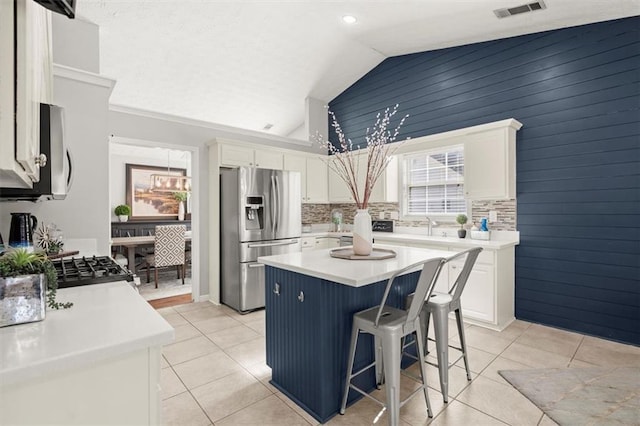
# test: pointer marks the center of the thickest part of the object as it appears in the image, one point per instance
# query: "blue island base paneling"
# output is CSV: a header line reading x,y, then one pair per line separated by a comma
x,y
308,328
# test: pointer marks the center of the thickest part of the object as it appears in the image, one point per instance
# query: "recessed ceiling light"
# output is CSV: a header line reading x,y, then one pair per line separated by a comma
x,y
349,19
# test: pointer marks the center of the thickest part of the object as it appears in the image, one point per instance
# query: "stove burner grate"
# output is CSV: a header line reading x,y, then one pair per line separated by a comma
x,y
89,270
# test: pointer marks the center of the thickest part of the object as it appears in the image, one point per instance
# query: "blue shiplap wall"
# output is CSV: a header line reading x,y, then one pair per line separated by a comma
x,y
577,92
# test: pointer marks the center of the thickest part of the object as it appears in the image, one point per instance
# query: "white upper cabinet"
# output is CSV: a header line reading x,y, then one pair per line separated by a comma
x,y
268,159
235,156
317,181
384,191
338,189
313,174
490,165
33,84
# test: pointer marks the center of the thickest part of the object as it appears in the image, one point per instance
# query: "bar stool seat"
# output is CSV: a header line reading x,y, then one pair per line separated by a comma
x,y
389,326
439,305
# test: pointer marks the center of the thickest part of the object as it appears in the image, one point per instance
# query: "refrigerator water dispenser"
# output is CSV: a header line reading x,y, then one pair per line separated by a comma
x,y
254,213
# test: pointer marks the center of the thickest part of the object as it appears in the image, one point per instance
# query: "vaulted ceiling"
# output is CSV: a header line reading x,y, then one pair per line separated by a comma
x,y
250,63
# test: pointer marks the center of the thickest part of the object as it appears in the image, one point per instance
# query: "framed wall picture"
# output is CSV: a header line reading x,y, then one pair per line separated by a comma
x,y
146,204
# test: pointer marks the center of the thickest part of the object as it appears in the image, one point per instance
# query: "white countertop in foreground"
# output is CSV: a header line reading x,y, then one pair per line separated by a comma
x,y
355,273
106,320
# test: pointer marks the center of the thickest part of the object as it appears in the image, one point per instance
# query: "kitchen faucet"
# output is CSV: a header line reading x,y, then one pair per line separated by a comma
x,y
430,224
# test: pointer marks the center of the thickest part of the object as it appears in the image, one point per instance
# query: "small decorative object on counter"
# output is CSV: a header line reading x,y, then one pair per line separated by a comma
x,y
344,160
483,233
123,212
25,278
21,231
362,235
462,220
49,238
336,220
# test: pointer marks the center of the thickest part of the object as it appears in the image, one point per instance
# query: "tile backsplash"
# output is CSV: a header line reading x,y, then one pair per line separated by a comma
x,y
506,211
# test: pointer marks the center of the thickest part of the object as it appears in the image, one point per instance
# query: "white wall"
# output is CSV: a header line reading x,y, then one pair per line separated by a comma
x,y
75,43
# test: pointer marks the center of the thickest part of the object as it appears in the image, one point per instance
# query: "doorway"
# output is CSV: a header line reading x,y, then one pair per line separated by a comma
x,y
167,160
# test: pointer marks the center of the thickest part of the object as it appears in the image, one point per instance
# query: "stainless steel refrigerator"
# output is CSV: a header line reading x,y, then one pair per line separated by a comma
x,y
260,215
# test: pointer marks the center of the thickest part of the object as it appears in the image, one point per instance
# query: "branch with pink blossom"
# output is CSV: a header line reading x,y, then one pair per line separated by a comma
x,y
344,160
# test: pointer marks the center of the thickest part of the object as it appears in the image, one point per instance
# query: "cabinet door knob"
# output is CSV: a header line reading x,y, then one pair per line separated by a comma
x,y
301,296
41,160
276,289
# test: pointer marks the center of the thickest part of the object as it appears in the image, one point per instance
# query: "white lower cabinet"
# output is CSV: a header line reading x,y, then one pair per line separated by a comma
x,y
119,390
327,242
308,243
488,298
320,242
477,298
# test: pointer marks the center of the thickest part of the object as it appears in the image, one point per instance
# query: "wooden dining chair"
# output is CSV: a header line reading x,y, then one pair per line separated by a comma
x,y
169,250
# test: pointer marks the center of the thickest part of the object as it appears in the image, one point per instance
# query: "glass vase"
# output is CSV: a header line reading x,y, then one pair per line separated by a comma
x,y
362,237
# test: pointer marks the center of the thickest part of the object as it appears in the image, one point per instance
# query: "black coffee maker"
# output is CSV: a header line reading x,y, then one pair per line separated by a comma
x,y
22,228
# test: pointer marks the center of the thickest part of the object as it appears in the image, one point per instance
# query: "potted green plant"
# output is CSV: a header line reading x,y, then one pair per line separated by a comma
x,y
180,197
462,220
123,212
25,279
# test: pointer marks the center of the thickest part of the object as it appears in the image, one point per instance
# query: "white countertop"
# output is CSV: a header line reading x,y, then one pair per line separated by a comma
x,y
493,244
511,239
326,234
106,320
355,273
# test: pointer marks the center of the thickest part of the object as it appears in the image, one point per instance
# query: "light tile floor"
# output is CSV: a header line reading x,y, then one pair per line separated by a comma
x,y
215,374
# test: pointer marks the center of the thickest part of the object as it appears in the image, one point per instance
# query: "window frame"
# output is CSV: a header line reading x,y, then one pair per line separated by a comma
x,y
404,186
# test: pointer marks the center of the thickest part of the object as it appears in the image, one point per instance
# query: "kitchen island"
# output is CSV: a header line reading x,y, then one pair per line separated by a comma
x,y
310,301
98,362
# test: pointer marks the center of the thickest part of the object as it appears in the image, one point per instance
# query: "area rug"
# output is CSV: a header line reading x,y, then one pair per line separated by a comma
x,y
582,396
168,285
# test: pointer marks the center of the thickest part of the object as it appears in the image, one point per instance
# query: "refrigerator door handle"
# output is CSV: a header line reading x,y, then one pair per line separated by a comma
x,y
278,206
281,243
273,206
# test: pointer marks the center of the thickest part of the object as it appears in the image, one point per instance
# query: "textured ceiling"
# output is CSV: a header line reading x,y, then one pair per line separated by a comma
x,y
248,63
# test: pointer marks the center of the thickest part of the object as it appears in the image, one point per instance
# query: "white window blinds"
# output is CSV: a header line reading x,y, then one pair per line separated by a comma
x,y
434,182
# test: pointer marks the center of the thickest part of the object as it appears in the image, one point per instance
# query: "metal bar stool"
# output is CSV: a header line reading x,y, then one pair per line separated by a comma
x,y
389,326
440,305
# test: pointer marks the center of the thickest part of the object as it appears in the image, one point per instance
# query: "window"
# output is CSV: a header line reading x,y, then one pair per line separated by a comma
x,y
434,183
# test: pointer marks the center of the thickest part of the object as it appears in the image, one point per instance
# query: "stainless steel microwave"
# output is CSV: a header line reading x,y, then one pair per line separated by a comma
x,y
56,175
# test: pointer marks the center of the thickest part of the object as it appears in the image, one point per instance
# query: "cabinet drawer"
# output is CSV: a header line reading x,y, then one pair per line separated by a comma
x,y
308,242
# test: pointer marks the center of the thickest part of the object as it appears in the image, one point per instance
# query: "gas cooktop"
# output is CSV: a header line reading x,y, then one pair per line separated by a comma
x,y
73,272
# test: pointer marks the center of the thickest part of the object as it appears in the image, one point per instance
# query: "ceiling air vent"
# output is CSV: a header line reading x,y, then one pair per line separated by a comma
x,y
529,7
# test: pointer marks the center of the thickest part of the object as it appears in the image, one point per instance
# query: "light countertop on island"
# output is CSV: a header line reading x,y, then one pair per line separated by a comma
x,y
355,273
106,320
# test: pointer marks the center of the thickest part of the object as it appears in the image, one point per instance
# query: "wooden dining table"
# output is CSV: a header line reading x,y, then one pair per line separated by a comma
x,y
131,243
